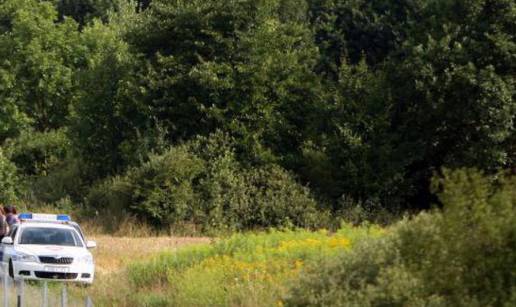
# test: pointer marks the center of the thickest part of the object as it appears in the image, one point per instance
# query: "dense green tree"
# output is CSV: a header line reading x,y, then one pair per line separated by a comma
x,y
351,30
454,89
97,127
361,100
242,66
432,96
37,66
353,156
84,11
410,89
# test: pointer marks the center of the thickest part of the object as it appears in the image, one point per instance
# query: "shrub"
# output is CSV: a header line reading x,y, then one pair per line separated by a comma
x,y
244,197
49,172
275,199
159,191
107,201
35,153
261,197
471,248
162,189
202,183
65,180
366,212
462,256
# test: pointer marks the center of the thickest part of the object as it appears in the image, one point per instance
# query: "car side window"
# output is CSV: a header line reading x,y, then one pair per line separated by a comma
x,y
79,230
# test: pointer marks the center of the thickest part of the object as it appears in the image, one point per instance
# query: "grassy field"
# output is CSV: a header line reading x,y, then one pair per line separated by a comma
x,y
459,257
113,254
253,269
112,257
462,255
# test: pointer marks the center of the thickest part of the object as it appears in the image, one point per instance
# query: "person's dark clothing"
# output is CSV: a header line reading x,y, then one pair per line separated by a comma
x,y
11,219
4,227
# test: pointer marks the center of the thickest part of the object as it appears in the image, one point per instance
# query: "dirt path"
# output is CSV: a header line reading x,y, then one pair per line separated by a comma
x,y
113,253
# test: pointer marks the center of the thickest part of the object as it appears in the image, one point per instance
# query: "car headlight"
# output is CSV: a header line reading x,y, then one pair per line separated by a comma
x,y
25,258
87,259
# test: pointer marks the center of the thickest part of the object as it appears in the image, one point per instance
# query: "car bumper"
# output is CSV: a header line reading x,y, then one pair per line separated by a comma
x,y
81,273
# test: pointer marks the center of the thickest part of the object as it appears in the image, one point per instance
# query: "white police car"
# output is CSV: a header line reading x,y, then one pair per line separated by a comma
x,y
47,246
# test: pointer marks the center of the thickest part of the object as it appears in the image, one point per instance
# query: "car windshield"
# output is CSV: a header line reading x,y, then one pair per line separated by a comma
x,y
50,236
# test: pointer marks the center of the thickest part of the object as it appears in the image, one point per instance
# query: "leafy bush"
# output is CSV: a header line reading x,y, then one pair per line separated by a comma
x,y
8,179
110,198
50,173
370,211
35,153
159,190
202,183
65,180
162,189
462,256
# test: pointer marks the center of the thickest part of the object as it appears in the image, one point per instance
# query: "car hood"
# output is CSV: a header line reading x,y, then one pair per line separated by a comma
x,y
52,250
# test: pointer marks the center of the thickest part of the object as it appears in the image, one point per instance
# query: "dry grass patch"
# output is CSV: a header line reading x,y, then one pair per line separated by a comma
x,y
114,253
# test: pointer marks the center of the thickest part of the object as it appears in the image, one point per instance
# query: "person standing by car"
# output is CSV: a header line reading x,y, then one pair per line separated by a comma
x,y
11,215
4,227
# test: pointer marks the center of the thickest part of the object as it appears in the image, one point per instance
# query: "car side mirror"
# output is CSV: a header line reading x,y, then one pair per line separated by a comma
x,y
90,244
7,240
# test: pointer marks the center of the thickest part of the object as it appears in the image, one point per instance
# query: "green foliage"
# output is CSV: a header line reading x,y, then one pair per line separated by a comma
x,y
463,256
354,156
65,182
348,31
162,188
241,66
35,153
454,89
84,11
251,269
8,179
48,172
39,60
97,128
362,101
159,190
192,184
419,86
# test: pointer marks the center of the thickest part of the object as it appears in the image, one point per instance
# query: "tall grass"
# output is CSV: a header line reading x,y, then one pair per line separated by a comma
x,y
253,269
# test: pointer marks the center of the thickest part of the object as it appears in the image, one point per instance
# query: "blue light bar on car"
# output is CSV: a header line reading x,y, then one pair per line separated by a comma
x,y
25,216
63,218
42,217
